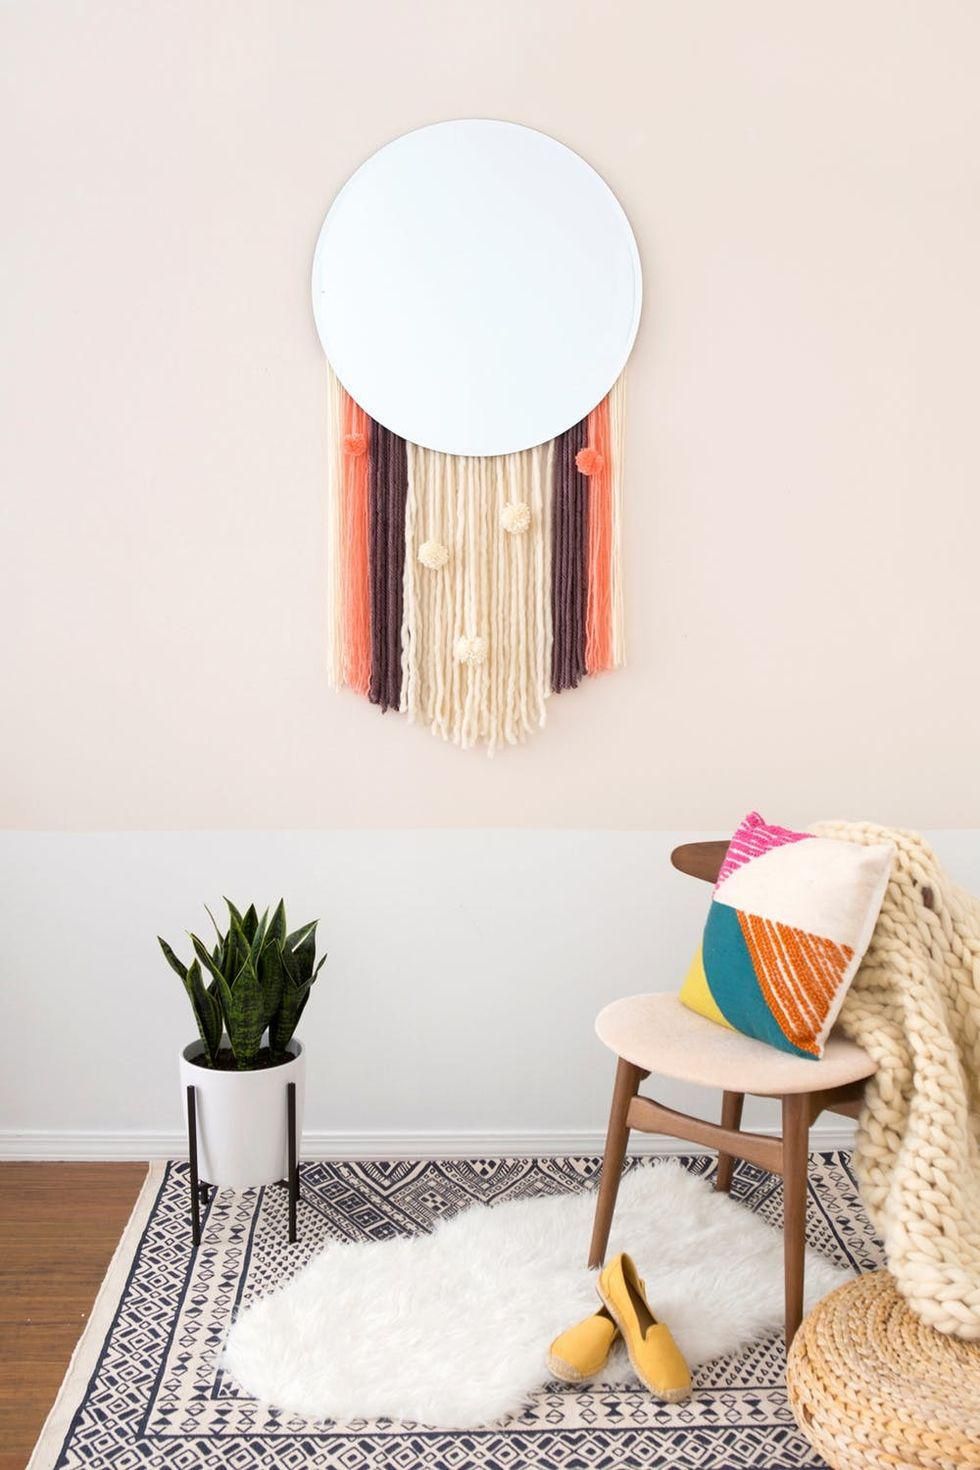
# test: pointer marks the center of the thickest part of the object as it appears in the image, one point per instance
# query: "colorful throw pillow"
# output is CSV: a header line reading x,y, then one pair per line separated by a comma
x,y
790,920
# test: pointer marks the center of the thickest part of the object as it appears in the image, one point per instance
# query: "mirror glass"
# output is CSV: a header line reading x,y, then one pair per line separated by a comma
x,y
476,287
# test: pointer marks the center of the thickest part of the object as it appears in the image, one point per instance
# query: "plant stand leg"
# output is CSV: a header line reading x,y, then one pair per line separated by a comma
x,y
192,1160
292,1179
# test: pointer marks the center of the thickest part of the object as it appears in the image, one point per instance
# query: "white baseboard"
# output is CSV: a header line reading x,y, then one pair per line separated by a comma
x,y
96,1146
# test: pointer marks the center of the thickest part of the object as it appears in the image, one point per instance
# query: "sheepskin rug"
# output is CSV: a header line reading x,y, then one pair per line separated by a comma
x,y
452,1329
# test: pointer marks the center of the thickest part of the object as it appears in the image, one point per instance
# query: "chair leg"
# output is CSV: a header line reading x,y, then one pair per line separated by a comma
x,y
796,1140
628,1079
731,1117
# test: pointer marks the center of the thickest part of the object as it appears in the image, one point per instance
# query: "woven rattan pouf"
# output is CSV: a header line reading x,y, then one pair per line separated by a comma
x,y
874,1388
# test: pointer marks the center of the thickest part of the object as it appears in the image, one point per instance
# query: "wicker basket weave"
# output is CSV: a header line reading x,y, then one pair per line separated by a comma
x,y
874,1388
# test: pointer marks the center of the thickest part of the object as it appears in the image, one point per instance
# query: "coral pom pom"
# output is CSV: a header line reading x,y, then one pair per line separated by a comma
x,y
589,461
433,554
516,517
355,445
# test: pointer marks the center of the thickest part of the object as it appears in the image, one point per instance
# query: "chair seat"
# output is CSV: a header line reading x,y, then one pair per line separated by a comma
x,y
659,1034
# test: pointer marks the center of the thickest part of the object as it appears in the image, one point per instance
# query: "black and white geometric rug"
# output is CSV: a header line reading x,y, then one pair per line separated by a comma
x,y
145,1388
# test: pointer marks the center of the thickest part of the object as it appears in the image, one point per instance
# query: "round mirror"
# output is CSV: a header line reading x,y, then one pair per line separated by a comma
x,y
476,287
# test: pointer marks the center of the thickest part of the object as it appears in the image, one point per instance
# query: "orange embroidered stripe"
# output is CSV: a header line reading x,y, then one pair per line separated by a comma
x,y
795,971
799,975
355,510
804,978
769,974
828,962
598,616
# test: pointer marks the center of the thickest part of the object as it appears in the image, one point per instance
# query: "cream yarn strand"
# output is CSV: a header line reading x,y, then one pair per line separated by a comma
x,y
413,625
542,477
476,637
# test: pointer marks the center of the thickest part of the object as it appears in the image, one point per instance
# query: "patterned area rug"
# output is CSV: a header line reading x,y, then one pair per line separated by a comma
x,y
146,1389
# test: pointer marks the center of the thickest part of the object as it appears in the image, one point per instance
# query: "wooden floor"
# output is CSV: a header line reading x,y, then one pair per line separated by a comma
x,y
59,1224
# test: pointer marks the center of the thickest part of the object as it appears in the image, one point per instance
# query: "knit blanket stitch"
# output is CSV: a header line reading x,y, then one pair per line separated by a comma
x,y
914,1005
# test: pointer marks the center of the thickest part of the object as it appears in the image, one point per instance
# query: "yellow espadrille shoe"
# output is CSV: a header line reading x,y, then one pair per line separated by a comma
x,y
657,1360
580,1353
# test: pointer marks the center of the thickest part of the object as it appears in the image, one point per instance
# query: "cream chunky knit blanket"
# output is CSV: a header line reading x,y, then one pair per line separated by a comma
x,y
915,1006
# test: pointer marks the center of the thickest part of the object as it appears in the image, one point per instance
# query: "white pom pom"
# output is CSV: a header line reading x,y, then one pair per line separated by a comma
x,y
472,651
516,517
433,554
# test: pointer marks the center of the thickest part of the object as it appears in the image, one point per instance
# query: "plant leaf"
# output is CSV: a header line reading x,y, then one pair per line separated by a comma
x,y
272,978
223,990
207,1011
237,952
245,1019
277,926
300,973
294,940
171,959
250,922
206,960
304,953
285,1020
233,912
228,962
259,937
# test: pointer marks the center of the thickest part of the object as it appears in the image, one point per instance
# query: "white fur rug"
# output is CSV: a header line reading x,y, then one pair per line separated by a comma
x,y
452,1329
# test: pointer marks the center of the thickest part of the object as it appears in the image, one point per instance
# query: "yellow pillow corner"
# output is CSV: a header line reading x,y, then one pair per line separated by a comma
x,y
695,994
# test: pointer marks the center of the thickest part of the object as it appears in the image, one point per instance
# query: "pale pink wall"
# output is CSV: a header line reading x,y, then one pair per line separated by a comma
x,y
802,527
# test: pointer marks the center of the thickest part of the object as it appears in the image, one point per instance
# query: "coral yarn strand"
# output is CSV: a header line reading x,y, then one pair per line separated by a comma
x,y
598,624
355,515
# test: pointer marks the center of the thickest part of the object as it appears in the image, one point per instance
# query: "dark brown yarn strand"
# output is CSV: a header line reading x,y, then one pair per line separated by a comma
x,y
389,490
569,560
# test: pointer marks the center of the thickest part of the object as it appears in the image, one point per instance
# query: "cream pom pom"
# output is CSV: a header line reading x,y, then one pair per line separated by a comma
x,y
472,651
433,554
516,517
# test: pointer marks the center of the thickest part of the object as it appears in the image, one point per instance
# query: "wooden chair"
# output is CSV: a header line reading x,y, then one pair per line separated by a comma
x,y
655,1033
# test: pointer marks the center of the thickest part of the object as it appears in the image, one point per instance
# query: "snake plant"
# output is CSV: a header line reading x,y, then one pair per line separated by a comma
x,y
255,979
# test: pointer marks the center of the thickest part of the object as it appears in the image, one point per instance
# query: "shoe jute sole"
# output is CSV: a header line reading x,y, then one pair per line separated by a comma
x,y
665,1395
565,1373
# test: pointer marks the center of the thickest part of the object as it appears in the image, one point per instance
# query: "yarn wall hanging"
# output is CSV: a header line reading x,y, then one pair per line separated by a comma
x,y
476,289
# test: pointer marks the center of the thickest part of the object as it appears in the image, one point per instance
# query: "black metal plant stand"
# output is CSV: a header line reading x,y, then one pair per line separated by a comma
x,y
199,1190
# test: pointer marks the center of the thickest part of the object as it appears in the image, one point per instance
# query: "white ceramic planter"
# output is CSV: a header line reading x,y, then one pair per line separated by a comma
x,y
241,1119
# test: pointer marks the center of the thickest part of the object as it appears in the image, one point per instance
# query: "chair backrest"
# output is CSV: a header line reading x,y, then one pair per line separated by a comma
x,y
700,859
